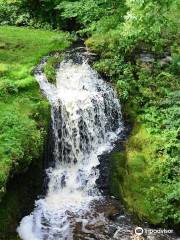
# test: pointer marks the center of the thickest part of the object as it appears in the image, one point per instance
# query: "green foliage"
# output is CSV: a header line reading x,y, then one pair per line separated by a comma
x,y
24,113
50,67
94,15
26,13
157,102
150,93
39,14
85,11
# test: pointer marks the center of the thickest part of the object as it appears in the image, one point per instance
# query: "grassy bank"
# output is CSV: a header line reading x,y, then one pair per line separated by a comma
x,y
24,112
146,174
141,58
148,170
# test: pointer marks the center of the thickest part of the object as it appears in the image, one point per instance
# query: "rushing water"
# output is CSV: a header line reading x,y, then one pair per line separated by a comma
x,y
86,121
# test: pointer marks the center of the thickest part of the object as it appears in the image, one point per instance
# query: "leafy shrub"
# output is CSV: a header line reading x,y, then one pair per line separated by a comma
x,y
150,91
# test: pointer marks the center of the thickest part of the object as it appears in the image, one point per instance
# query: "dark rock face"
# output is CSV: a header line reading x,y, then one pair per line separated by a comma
x,y
103,182
147,57
166,60
18,201
48,150
48,158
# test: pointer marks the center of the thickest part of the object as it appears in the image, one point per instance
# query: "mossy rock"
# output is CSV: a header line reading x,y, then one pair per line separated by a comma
x,y
51,67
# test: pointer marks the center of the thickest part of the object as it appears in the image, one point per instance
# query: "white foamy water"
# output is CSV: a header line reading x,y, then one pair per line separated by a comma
x,y
86,120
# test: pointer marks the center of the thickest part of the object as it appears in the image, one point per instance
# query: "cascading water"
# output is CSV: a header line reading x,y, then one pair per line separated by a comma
x,y
86,120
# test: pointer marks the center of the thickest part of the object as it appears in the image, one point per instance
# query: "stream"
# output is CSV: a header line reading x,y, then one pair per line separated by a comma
x,y
86,122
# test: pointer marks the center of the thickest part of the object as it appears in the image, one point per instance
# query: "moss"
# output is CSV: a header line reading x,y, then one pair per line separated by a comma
x,y
19,201
131,173
50,67
117,172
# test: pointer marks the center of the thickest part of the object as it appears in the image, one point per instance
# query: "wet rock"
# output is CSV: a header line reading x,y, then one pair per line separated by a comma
x,y
147,58
136,237
166,60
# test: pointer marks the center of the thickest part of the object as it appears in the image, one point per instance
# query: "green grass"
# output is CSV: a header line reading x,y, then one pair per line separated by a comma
x,y
24,112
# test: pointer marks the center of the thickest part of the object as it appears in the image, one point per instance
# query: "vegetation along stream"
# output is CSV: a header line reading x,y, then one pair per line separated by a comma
x,y
86,121
89,129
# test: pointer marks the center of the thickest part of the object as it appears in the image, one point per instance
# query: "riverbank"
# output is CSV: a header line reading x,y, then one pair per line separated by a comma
x,y
24,112
146,174
21,191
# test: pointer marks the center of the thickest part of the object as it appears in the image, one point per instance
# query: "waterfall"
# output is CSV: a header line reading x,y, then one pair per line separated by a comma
x,y
86,120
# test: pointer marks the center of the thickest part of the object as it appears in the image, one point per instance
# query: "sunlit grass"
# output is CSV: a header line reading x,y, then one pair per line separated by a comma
x,y
24,112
